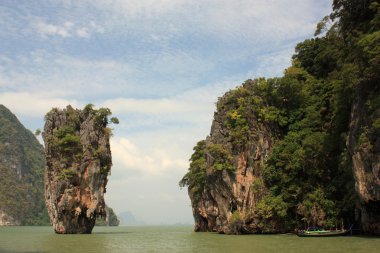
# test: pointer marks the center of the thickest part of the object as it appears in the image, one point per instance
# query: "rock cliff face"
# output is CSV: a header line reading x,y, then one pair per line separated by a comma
x,y
364,145
252,176
78,160
235,187
21,174
229,192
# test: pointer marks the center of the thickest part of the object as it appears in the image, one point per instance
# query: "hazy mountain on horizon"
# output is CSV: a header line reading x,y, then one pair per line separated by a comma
x,y
127,218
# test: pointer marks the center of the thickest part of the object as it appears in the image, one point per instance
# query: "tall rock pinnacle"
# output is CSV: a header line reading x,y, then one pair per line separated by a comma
x,y
78,161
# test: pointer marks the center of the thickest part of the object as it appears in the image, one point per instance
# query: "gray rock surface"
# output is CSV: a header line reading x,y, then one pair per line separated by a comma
x,y
229,191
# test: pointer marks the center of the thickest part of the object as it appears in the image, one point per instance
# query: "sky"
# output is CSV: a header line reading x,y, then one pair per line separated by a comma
x,y
159,65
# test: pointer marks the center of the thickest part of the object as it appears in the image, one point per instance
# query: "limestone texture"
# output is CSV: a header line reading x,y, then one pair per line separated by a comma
x,y
78,161
364,146
227,191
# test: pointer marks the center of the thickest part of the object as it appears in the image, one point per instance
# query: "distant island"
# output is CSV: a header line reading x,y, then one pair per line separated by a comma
x,y
127,218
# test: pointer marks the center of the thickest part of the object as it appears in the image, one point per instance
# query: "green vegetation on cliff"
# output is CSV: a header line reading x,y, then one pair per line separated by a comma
x,y
21,172
195,179
307,177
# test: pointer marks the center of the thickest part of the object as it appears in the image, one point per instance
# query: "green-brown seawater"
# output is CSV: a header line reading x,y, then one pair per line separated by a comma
x,y
171,239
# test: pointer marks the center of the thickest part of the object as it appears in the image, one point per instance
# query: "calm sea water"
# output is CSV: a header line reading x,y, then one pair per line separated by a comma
x,y
172,239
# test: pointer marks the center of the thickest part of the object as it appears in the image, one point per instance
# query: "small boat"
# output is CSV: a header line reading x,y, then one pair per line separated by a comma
x,y
320,232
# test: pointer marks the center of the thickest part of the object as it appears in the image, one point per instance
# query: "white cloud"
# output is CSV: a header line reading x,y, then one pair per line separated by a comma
x,y
95,27
147,161
33,105
41,71
138,7
245,21
83,32
46,29
145,174
87,79
181,63
151,106
66,29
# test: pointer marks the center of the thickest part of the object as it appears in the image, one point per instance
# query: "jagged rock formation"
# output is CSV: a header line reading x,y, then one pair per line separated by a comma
x,y
232,182
364,145
228,191
21,174
78,160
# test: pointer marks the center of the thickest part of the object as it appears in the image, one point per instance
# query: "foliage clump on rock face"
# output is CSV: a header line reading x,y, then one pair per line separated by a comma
x,y
65,141
236,223
222,160
196,178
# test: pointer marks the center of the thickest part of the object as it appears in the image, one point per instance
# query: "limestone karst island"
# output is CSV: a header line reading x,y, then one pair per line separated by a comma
x,y
280,160
301,150
78,160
